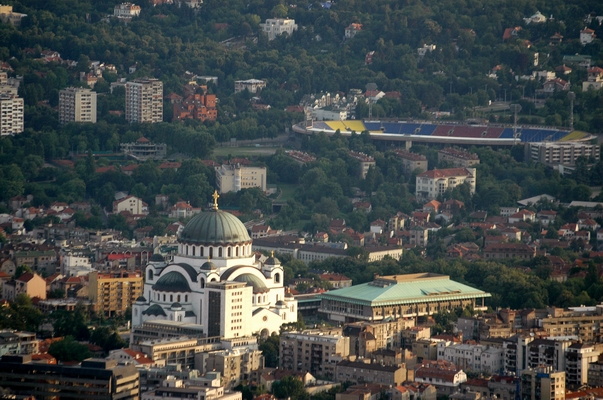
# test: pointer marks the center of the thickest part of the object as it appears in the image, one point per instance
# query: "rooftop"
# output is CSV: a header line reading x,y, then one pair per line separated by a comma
x,y
408,289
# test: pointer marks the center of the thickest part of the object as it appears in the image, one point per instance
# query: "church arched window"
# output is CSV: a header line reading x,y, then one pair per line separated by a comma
x,y
220,252
150,274
237,251
211,252
201,251
228,252
202,282
194,251
277,278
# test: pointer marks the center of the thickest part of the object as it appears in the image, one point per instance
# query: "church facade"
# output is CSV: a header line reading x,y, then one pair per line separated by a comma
x,y
215,281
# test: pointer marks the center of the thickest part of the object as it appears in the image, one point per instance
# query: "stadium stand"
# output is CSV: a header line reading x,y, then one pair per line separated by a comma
x,y
392,127
409,129
469,131
321,125
494,133
507,133
427,129
450,131
575,135
443,130
337,125
373,126
356,126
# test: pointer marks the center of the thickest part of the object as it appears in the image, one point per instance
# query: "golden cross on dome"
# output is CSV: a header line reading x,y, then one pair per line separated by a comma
x,y
272,254
215,196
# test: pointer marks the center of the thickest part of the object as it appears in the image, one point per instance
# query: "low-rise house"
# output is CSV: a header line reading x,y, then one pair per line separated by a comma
x,y
419,236
587,36
132,204
183,210
352,30
509,250
546,216
358,371
446,377
414,391
458,157
522,215
30,284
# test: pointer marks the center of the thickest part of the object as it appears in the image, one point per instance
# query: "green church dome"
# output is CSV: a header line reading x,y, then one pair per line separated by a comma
x,y
172,282
154,310
253,281
215,227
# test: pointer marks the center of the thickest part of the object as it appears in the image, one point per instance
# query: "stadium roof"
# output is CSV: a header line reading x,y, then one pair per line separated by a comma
x,y
405,289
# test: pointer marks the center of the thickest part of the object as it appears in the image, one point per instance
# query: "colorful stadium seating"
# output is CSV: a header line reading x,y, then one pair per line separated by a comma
x,y
449,130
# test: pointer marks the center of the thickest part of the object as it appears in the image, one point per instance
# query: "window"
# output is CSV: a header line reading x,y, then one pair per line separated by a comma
x,y
178,299
150,274
202,281
277,278
194,251
171,298
220,252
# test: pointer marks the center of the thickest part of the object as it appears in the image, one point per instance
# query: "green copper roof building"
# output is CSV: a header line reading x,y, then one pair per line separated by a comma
x,y
399,296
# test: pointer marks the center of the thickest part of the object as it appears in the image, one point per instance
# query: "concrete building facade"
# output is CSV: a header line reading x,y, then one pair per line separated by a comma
x,y
274,27
232,178
113,293
11,114
315,352
77,105
144,101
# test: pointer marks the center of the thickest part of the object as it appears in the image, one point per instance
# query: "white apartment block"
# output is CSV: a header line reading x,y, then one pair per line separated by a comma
x,y
274,27
434,183
77,105
11,114
144,101
126,10
475,358
565,153
252,85
232,178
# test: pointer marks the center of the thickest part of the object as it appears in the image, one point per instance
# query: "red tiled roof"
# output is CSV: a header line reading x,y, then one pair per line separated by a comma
x,y
26,277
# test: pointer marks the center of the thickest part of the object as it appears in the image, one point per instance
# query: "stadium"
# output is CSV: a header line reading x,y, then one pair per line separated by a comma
x,y
444,133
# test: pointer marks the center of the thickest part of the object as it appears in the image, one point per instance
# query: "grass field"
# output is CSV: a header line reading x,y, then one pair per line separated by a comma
x,y
288,191
244,151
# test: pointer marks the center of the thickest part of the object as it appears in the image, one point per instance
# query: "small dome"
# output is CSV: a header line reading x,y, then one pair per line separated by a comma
x,y
281,303
176,305
253,281
141,298
272,261
215,227
155,310
288,294
172,282
208,266
157,258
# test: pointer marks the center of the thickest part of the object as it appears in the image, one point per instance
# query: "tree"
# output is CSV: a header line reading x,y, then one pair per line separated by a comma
x,y
270,350
69,350
289,387
22,269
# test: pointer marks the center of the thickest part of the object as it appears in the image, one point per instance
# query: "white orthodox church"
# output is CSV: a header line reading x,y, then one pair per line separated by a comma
x,y
215,281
